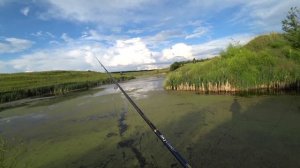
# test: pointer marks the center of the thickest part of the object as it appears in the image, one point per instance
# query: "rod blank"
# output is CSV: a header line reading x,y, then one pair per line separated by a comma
x,y
174,152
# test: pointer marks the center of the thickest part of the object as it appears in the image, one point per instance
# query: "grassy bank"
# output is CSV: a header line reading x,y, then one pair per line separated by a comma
x,y
145,73
22,85
267,63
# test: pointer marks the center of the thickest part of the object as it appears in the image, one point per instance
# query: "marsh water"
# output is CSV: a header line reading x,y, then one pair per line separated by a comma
x,y
99,128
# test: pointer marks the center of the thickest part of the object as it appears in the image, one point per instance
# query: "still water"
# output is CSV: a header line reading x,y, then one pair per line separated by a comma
x,y
99,128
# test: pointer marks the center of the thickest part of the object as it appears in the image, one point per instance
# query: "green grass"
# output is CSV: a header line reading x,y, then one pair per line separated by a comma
x,y
21,85
267,62
147,73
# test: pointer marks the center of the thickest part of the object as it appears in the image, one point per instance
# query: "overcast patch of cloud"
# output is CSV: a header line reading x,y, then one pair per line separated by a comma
x,y
14,45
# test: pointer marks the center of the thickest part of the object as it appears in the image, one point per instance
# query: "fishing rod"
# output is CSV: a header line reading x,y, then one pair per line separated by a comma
x,y
174,152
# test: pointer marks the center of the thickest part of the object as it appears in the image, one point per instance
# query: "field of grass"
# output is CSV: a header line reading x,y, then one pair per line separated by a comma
x,y
146,73
267,62
22,85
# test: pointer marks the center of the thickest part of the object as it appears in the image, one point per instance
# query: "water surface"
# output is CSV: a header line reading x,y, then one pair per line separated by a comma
x,y
99,128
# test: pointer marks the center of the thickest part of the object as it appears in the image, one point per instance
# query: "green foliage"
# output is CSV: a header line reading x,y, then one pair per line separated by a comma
x,y
231,51
179,64
265,60
22,85
291,25
175,66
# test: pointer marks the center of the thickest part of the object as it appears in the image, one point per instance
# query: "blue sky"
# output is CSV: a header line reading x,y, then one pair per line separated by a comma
x,y
46,35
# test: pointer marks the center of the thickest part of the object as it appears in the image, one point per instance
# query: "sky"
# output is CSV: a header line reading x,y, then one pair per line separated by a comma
x,y
43,35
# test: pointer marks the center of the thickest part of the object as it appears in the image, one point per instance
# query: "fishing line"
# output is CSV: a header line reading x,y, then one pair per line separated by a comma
x,y
166,143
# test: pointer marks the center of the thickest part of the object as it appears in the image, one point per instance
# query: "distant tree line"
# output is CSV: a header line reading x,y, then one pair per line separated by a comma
x,y
178,64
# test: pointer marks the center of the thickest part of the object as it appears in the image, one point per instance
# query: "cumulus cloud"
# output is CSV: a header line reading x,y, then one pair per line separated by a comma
x,y
52,59
14,45
214,47
25,11
179,50
130,54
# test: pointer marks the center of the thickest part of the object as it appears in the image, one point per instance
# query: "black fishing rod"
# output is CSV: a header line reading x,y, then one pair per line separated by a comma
x,y
174,152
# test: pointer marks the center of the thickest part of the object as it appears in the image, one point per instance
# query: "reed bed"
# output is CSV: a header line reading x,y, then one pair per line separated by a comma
x,y
267,62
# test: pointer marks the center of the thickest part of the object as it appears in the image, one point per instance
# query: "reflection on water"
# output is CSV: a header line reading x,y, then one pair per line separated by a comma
x,y
21,118
137,89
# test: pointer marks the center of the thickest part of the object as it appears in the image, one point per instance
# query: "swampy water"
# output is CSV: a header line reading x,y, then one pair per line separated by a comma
x,y
99,128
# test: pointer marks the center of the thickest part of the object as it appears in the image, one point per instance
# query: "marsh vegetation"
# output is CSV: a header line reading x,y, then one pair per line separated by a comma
x,y
268,63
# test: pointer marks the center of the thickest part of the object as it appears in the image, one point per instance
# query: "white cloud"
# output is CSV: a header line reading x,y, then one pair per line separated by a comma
x,y
66,38
198,32
181,51
178,50
261,14
25,11
165,35
162,38
105,11
128,52
43,34
135,31
264,14
214,47
93,35
52,59
13,45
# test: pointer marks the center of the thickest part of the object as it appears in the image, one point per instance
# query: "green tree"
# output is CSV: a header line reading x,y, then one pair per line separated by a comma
x,y
291,25
175,66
